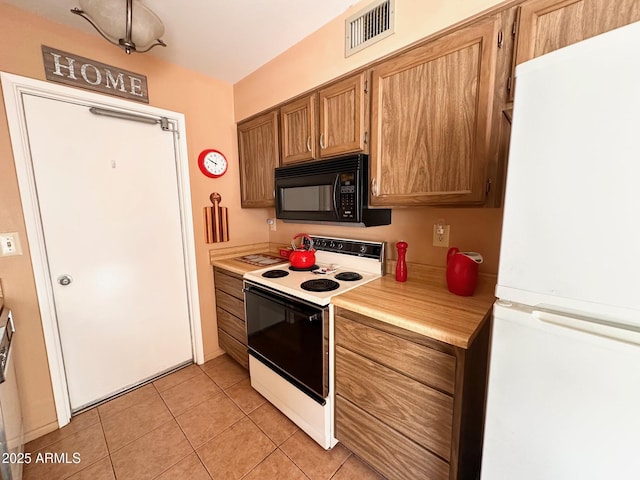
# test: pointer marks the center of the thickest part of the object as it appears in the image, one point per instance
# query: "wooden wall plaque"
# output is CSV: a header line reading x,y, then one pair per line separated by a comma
x,y
76,71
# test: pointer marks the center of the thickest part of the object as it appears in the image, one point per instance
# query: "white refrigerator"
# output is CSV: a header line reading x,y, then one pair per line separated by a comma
x,y
563,398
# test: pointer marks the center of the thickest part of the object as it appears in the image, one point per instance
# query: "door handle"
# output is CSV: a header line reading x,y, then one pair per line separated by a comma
x,y
64,280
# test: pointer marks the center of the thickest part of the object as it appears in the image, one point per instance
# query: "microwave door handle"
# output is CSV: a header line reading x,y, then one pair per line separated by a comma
x,y
336,193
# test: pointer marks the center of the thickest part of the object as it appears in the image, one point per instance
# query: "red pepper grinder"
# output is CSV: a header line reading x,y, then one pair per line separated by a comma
x,y
401,266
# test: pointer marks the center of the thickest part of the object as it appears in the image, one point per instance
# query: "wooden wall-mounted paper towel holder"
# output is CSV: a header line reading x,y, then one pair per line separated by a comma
x,y
216,221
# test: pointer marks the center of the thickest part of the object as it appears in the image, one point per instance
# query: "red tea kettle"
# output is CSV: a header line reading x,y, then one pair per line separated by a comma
x,y
462,271
303,256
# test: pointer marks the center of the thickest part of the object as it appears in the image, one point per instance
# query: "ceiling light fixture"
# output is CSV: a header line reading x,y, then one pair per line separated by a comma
x,y
118,26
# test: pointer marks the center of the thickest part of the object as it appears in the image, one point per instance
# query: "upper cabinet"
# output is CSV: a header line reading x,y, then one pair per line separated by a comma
x,y
343,116
299,130
326,123
547,25
430,117
258,151
431,120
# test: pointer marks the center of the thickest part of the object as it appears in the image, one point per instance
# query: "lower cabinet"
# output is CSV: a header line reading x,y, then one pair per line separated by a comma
x,y
410,406
232,331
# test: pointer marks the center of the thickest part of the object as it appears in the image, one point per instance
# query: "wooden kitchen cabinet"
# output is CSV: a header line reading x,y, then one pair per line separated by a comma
x,y
547,25
431,119
410,406
344,117
232,331
299,129
330,122
259,155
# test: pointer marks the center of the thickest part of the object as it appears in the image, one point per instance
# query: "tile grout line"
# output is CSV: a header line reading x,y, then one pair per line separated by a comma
x,y
104,434
174,419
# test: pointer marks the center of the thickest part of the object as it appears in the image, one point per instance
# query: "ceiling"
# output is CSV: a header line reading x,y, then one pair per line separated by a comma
x,y
226,40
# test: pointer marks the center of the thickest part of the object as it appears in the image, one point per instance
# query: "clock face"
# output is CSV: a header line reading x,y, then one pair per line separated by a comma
x,y
212,163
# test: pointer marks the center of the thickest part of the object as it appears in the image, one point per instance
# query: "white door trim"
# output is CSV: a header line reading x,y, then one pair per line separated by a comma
x,y
13,87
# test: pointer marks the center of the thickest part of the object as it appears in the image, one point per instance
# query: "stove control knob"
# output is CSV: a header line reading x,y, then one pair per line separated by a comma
x,y
363,249
340,246
332,244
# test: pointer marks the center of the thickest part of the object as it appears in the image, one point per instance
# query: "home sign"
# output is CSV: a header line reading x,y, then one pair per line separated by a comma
x,y
70,69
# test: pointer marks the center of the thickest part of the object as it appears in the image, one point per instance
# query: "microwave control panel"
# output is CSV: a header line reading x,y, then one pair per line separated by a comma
x,y
348,208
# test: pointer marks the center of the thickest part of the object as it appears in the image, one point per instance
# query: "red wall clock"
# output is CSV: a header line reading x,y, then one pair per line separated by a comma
x,y
212,163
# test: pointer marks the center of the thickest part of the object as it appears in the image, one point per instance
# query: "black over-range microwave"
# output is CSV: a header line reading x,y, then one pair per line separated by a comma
x,y
328,191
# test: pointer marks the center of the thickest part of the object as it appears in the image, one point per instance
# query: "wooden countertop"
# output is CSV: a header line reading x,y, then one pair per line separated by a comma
x,y
236,266
226,257
423,305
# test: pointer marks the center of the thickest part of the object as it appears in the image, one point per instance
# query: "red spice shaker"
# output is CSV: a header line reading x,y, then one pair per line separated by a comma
x,y
401,266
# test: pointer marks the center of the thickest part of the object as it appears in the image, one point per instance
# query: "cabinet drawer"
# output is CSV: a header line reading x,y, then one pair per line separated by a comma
x,y
389,452
231,304
421,413
232,325
234,348
431,367
229,283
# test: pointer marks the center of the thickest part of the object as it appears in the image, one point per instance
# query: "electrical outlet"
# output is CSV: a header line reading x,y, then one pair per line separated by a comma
x,y
10,244
272,224
440,235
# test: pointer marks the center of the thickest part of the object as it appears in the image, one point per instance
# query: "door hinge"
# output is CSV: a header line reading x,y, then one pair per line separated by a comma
x,y
500,42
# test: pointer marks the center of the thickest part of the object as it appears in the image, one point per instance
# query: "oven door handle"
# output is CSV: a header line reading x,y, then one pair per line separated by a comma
x,y
285,302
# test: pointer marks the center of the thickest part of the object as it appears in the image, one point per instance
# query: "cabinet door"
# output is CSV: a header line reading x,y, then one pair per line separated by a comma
x,y
259,154
343,117
299,130
547,25
431,120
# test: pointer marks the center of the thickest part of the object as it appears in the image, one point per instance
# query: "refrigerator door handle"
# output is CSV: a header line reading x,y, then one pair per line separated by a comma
x,y
614,331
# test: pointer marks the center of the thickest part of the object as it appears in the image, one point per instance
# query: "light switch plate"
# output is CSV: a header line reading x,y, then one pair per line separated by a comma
x,y
10,244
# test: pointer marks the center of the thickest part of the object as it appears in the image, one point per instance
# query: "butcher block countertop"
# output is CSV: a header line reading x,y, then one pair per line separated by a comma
x,y
423,305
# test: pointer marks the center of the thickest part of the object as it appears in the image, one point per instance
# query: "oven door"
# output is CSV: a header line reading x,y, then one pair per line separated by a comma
x,y
291,337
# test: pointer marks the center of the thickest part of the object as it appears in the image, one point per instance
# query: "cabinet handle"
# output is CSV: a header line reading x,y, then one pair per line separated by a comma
x,y
309,143
374,187
322,140
365,137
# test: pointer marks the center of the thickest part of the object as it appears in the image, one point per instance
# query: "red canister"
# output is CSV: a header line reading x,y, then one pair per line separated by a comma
x,y
462,271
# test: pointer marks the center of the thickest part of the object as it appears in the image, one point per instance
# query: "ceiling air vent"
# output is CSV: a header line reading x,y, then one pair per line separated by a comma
x,y
369,26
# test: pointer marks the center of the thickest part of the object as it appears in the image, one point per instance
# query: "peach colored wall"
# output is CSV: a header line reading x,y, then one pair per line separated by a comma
x,y
319,58
170,87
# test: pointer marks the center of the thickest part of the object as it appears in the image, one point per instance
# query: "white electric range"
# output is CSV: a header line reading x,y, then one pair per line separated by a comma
x,y
289,320
342,265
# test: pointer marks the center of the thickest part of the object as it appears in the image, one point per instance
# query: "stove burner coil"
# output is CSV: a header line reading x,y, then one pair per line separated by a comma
x,y
305,269
275,273
320,285
348,276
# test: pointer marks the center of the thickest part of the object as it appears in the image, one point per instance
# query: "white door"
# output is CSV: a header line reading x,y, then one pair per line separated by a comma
x,y
108,198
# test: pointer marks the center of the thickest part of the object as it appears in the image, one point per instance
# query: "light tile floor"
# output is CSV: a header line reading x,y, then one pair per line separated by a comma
x,y
199,423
